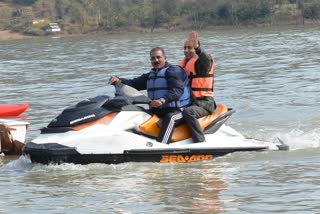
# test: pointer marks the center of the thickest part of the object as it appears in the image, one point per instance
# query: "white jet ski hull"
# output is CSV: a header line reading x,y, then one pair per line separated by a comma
x,y
123,146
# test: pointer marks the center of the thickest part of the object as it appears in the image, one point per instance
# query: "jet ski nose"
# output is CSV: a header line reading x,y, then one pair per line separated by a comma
x,y
41,153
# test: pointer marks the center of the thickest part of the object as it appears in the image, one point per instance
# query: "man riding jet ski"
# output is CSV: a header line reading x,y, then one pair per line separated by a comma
x,y
119,129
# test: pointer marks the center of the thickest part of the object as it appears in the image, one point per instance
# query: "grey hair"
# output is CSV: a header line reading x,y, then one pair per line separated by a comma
x,y
157,49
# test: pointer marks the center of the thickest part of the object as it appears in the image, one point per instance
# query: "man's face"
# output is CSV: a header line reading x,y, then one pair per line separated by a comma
x,y
158,60
189,50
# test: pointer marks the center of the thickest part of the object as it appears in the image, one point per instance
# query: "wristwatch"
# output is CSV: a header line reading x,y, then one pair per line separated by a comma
x,y
162,100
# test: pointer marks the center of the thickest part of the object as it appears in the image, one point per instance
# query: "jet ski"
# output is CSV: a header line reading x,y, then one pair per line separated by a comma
x,y
120,129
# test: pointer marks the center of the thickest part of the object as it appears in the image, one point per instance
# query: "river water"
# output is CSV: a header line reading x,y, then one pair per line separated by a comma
x,y
269,75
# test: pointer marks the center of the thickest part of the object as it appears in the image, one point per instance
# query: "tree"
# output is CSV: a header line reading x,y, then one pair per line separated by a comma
x,y
25,2
45,9
312,10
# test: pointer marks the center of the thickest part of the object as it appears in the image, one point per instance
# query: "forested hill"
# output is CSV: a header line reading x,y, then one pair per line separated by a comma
x,y
85,16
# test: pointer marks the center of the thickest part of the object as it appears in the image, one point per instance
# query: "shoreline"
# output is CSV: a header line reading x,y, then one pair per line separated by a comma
x,y
6,35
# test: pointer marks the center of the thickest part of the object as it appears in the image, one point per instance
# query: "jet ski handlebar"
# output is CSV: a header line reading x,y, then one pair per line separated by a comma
x,y
135,96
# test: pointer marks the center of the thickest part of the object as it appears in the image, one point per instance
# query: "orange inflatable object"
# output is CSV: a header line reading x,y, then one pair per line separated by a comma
x,y
12,110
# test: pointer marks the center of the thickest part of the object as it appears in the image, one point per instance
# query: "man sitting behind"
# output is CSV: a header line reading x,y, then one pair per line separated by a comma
x,y
200,68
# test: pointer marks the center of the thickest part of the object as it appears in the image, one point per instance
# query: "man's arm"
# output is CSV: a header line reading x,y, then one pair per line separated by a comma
x,y
138,83
204,62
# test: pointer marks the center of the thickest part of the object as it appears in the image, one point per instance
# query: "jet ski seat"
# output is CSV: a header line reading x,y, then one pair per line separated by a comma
x,y
181,132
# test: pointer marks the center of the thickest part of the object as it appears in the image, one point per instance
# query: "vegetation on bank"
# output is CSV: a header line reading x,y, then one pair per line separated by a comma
x,y
85,16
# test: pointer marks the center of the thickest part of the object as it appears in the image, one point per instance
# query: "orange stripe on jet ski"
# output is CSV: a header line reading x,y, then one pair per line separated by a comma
x,y
102,120
182,131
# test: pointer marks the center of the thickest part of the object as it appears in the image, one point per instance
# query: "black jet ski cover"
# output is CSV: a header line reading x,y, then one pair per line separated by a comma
x,y
85,111
94,108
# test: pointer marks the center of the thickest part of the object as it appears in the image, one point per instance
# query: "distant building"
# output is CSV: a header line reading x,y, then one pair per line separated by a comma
x,y
53,27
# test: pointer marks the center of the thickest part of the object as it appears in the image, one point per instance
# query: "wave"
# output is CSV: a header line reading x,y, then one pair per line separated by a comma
x,y
24,164
298,139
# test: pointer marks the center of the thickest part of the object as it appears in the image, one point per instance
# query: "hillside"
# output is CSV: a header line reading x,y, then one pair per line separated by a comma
x,y
31,17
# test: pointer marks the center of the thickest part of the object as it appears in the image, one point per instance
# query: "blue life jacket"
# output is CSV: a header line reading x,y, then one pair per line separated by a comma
x,y
157,87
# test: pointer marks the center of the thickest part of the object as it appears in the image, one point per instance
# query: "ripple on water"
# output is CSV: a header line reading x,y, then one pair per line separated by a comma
x,y
270,76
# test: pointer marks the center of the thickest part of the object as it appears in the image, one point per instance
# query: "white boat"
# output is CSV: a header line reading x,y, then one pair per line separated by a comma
x,y
12,136
116,130
53,27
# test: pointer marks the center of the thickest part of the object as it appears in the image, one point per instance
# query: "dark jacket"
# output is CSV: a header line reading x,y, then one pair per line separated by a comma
x,y
174,75
203,63
202,67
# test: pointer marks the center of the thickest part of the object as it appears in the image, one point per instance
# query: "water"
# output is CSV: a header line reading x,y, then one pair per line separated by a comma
x,y
270,76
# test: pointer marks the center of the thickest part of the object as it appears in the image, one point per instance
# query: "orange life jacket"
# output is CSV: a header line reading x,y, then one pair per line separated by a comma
x,y
200,86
